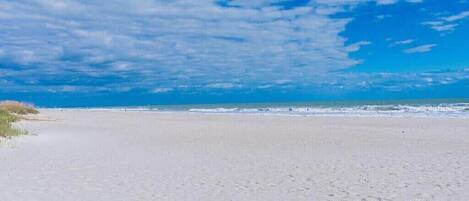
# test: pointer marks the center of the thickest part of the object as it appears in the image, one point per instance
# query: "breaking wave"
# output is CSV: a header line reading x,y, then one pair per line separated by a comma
x,y
439,110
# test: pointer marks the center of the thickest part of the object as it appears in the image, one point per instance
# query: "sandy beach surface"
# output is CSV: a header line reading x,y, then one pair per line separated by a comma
x,y
81,155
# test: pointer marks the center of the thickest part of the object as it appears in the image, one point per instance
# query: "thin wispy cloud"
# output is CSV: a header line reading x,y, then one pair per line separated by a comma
x,y
398,81
385,2
382,17
440,25
459,16
223,85
420,49
356,46
161,90
403,42
415,1
448,23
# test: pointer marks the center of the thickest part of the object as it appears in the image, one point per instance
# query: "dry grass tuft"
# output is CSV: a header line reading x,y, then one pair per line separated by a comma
x,y
15,107
9,113
6,130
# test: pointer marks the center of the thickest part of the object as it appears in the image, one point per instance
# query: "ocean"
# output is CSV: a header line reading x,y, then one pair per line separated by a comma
x,y
391,108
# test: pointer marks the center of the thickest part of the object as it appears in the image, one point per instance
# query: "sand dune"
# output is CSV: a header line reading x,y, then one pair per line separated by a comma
x,y
136,156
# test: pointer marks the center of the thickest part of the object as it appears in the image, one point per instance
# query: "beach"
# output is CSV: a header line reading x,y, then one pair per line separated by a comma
x,y
117,155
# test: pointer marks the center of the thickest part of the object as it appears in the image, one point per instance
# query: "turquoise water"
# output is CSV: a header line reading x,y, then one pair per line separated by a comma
x,y
332,104
421,108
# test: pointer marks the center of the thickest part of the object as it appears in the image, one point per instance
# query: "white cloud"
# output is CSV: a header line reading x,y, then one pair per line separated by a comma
x,y
174,42
459,16
353,2
440,26
280,82
223,85
161,90
122,66
414,1
420,49
448,23
386,2
403,42
164,44
356,46
381,17
69,89
447,27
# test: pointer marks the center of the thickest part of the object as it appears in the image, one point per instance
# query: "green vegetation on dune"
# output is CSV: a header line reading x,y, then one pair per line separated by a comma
x,y
9,111
6,130
17,107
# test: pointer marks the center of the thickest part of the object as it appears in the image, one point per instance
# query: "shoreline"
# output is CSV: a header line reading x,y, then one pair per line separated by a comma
x,y
345,115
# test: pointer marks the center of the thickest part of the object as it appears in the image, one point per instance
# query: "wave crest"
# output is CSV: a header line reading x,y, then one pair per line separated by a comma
x,y
444,110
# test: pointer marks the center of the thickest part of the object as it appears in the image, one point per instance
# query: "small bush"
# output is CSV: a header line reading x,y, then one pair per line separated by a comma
x,y
6,130
17,108
9,113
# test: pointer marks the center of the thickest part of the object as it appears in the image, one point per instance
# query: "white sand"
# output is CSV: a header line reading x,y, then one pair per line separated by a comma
x,y
142,156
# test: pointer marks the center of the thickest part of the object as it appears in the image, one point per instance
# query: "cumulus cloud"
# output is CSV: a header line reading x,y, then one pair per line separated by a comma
x,y
420,49
161,45
172,43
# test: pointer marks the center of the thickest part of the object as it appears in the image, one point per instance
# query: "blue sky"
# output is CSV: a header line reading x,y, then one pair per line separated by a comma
x,y
118,52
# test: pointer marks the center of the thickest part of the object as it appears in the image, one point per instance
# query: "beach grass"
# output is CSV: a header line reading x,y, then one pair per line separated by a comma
x,y
6,129
11,111
15,107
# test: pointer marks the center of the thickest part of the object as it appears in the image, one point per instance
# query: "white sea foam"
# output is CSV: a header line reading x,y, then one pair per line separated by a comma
x,y
459,110
439,110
